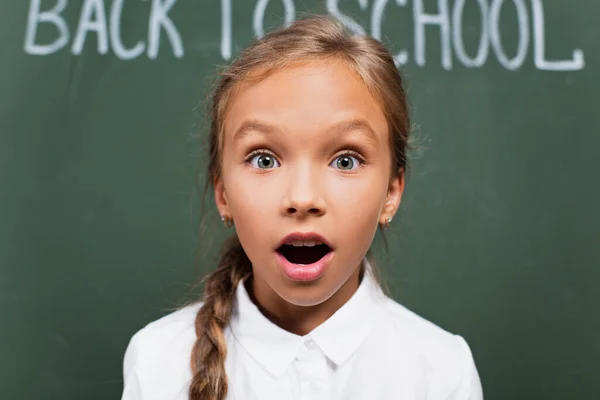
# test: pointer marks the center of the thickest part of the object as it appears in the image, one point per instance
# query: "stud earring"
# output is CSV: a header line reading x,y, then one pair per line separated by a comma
x,y
228,222
387,222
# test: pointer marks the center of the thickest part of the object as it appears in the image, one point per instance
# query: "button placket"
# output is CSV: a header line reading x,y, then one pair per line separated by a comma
x,y
312,367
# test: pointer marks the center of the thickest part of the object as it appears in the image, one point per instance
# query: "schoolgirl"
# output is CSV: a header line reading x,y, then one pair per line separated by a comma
x,y
308,154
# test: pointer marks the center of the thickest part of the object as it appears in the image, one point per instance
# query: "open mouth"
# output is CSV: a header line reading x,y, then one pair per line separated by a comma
x,y
302,254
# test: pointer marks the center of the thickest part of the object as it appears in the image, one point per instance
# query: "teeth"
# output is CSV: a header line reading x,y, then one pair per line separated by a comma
x,y
307,243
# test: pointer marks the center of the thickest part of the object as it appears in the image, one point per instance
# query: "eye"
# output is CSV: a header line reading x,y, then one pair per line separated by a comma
x,y
262,160
348,161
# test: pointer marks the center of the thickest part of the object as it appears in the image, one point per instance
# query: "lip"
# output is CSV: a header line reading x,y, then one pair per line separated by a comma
x,y
304,236
304,272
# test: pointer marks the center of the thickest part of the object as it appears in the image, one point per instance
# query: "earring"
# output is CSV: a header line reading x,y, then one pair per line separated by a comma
x,y
228,222
387,222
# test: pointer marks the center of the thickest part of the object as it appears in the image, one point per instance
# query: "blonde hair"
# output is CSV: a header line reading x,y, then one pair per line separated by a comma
x,y
317,37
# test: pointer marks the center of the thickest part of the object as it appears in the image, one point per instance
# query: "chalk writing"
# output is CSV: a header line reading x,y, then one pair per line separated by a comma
x,y
443,16
576,63
516,61
401,57
115,35
349,23
52,16
259,15
92,19
483,48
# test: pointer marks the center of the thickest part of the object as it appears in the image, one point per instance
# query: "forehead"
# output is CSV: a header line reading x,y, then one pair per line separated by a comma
x,y
305,98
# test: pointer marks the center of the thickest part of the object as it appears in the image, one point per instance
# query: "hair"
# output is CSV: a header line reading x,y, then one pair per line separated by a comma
x,y
312,38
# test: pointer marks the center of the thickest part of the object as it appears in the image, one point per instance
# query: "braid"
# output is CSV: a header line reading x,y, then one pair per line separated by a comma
x,y
210,350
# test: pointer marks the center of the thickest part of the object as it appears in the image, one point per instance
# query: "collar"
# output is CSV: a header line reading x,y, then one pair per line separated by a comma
x,y
338,337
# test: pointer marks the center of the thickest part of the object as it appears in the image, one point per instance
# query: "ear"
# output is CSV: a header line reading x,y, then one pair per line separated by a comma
x,y
221,197
393,198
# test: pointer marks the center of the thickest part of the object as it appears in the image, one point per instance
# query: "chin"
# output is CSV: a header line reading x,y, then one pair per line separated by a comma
x,y
306,294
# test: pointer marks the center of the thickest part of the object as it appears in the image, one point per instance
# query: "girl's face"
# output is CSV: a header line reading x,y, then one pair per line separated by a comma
x,y
306,150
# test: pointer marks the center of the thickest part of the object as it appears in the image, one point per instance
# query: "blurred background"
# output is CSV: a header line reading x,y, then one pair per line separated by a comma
x,y
102,131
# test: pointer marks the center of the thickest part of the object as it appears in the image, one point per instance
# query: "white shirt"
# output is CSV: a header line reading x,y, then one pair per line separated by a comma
x,y
371,348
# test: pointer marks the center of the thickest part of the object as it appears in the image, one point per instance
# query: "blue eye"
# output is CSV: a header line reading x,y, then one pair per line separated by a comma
x,y
263,161
346,162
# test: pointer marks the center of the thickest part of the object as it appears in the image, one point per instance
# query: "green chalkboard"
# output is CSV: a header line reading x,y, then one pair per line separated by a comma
x,y
101,123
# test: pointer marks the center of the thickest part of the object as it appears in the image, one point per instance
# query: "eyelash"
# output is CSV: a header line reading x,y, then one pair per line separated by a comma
x,y
354,154
348,152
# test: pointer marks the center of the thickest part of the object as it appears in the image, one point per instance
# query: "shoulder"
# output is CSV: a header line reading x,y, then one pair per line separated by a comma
x,y
162,349
445,358
165,332
418,330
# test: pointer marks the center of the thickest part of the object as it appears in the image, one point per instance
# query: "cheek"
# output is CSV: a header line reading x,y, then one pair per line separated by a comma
x,y
254,205
360,197
355,205
251,198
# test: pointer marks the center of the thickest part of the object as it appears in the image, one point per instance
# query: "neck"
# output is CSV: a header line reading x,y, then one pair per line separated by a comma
x,y
300,320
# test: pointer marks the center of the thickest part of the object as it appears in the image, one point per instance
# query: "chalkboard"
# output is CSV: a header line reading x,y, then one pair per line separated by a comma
x,y
101,132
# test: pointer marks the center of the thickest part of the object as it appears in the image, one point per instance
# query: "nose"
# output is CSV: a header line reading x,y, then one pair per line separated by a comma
x,y
303,193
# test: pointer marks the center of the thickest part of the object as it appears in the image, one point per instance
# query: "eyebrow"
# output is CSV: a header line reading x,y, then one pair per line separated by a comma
x,y
358,124
253,125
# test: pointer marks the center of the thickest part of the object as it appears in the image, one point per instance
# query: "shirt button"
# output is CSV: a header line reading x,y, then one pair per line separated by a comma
x,y
310,344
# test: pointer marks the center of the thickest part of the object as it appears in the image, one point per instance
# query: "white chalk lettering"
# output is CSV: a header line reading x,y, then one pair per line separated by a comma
x,y
400,58
159,19
259,15
517,61
53,16
91,9
457,35
441,19
226,29
450,18
115,34
539,34
349,23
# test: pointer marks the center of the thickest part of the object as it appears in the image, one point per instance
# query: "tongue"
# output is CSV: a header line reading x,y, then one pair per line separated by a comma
x,y
304,254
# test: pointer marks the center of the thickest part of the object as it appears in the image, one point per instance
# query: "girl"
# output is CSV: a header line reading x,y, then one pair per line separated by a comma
x,y
308,149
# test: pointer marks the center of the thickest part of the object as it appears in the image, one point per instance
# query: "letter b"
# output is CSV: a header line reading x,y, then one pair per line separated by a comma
x,y
36,17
